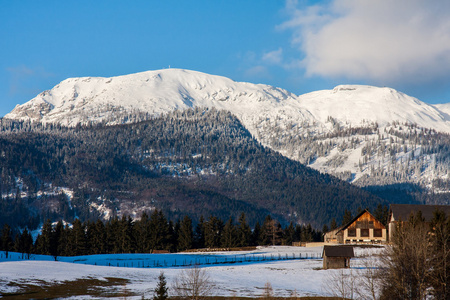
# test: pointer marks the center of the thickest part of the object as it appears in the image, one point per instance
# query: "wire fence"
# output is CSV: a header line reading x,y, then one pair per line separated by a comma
x,y
170,260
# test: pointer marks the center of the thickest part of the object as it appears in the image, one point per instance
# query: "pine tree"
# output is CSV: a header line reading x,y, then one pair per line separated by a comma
x,y
199,236
229,237
347,217
213,232
244,231
79,238
256,235
333,224
185,234
7,242
161,289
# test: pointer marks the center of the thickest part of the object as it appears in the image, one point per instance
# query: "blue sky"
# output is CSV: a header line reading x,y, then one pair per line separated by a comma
x,y
301,46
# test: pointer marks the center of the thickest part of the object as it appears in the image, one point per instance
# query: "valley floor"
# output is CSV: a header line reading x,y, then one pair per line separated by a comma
x,y
289,270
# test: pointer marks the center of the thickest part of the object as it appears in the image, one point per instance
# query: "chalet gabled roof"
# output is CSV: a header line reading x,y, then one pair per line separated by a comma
x,y
403,211
338,251
356,218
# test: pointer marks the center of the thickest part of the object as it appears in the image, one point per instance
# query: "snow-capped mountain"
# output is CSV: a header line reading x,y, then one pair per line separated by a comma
x,y
346,131
95,99
88,99
354,104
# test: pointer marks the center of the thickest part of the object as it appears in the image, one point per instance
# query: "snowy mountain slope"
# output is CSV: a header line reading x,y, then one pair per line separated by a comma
x,y
97,99
354,104
443,107
80,100
366,135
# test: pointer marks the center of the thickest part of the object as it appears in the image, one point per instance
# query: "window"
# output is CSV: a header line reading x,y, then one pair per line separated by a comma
x,y
351,232
364,232
377,233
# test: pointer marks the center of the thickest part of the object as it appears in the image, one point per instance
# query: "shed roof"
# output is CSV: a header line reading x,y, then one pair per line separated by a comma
x,y
338,251
403,211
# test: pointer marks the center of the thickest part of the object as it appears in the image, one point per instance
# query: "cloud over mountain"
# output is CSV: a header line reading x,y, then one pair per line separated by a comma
x,y
406,41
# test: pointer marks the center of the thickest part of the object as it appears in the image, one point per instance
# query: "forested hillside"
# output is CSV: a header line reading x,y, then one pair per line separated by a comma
x,y
195,162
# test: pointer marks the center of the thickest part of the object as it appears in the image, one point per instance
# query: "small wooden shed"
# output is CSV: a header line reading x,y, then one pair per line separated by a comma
x,y
337,257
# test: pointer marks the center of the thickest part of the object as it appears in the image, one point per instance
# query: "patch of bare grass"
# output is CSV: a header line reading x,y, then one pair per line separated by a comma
x,y
110,287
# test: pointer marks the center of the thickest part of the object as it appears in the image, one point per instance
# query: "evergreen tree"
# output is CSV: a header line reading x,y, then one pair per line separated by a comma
x,y
256,235
289,234
78,238
43,241
26,243
185,234
161,289
347,217
55,238
158,233
126,235
7,242
244,231
141,236
199,236
229,237
213,232
333,224
325,228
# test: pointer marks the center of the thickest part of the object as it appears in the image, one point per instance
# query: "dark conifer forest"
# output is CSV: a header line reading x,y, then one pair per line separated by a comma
x,y
192,163
151,233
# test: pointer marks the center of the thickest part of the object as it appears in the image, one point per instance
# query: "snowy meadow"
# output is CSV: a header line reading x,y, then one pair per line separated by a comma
x,y
289,270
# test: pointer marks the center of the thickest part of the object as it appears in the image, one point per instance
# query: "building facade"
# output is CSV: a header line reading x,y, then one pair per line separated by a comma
x,y
364,228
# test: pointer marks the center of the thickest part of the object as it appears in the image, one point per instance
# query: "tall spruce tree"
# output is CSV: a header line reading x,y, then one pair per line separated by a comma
x,y
185,234
7,242
161,290
229,237
199,235
244,231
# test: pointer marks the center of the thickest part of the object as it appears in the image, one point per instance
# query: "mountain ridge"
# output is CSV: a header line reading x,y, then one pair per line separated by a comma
x,y
362,134
164,90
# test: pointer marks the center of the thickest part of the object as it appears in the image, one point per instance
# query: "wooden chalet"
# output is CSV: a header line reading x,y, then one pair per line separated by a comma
x,y
364,228
337,257
402,212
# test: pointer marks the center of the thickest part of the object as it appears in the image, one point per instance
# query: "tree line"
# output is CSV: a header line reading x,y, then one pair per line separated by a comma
x,y
151,233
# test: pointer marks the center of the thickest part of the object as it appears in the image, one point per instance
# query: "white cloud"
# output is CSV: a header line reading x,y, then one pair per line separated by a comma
x,y
273,57
384,40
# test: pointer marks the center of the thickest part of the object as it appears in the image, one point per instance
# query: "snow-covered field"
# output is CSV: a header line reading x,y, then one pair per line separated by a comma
x,y
246,277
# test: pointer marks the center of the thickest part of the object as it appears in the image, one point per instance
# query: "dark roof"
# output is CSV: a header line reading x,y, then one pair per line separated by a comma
x,y
338,251
356,218
403,211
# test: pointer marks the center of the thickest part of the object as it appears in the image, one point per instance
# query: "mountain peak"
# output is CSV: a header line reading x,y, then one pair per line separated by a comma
x,y
94,99
357,104
100,99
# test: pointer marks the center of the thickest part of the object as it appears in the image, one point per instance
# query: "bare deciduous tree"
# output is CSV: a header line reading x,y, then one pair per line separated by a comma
x,y
368,285
407,263
193,283
341,283
267,291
